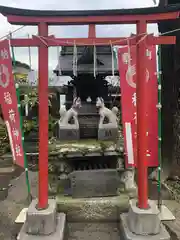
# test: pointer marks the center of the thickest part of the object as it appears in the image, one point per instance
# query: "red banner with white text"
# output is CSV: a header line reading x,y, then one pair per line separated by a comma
x,y
9,104
127,70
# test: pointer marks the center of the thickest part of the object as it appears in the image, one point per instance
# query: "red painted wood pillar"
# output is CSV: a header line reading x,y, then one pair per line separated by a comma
x,y
43,119
92,31
141,117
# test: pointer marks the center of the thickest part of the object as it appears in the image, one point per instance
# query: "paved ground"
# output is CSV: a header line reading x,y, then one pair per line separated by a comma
x,y
17,200
173,227
14,203
92,231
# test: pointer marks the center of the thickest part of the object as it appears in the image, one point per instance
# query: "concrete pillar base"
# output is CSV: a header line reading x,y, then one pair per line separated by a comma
x,y
57,235
43,224
128,235
144,221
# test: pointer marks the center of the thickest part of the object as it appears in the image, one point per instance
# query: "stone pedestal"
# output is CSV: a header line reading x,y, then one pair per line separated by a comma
x,y
105,134
69,134
143,224
43,224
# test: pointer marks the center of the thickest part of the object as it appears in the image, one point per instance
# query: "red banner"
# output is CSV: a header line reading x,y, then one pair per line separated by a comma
x,y
9,104
127,70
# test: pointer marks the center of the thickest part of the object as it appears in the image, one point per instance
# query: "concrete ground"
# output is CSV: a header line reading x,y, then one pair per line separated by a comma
x,y
14,203
17,200
91,231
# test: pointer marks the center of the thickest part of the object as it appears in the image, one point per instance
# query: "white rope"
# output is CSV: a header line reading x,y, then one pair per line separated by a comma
x,y
118,41
5,36
129,60
9,41
59,60
95,61
42,39
74,93
29,54
142,39
112,54
75,60
113,42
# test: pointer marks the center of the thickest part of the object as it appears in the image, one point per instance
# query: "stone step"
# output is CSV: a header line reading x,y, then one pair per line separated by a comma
x,y
94,183
102,209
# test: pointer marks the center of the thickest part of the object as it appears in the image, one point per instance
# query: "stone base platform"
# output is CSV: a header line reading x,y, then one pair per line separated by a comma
x,y
128,235
101,209
57,235
94,183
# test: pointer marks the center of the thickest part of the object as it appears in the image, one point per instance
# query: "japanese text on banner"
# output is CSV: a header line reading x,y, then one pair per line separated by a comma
x,y
127,69
9,102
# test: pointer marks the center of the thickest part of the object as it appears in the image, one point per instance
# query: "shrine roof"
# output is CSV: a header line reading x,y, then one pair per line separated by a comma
x,y
55,13
85,62
66,65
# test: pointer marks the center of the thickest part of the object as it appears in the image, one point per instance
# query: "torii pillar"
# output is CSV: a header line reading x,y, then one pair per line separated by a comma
x,y
43,118
141,90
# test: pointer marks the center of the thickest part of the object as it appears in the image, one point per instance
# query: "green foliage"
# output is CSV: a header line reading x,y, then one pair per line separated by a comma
x,y
20,64
30,125
52,122
32,99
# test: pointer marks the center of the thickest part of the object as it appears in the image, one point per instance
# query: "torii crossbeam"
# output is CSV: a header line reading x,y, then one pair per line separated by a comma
x,y
140,17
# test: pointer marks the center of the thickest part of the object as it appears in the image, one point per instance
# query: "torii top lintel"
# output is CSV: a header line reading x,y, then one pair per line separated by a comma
x,y
129,16
43,18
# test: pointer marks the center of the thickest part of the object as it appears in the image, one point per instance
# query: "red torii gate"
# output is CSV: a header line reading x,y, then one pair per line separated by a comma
x,y
43,19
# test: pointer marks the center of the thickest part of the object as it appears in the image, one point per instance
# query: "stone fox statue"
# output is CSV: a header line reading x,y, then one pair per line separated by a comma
x,y
104,112
72,113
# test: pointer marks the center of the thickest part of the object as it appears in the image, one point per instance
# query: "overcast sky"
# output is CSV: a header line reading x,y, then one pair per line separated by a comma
x,y
77,31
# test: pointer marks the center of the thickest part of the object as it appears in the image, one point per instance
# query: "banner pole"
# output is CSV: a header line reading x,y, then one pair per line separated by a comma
x,y
159,128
